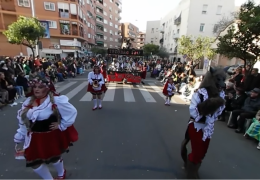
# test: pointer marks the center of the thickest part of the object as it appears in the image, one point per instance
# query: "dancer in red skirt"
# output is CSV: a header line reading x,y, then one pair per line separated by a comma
x,y
46,128
96,86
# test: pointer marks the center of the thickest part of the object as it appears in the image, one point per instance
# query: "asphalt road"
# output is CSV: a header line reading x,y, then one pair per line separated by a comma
x,y
133,140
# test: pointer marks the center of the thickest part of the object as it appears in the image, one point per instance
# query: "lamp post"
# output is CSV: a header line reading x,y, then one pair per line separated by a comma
x,y
33,15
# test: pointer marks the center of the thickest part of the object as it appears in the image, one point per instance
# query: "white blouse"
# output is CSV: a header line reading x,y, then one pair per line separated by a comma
x,y
44,111
208,127
92,76
170,89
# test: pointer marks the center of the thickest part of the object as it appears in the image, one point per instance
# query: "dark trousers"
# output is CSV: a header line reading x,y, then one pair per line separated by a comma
x,y
243,115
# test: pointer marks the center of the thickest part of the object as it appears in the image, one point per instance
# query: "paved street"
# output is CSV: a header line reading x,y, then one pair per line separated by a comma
x,y
133,136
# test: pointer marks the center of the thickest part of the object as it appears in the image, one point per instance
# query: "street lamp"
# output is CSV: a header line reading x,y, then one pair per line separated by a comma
x,y
33,15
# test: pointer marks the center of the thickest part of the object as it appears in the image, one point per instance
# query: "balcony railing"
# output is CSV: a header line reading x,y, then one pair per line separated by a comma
x,y
64,15
99,20
161,41
177,21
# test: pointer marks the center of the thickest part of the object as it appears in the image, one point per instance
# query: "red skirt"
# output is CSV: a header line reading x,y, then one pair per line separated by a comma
x,y
103,89
47,147
143,75
104,73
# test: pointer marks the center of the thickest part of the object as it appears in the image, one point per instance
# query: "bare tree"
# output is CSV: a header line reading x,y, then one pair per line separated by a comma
x,y
224,22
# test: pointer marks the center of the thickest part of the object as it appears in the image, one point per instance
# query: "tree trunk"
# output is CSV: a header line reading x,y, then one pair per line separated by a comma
x,y
33,55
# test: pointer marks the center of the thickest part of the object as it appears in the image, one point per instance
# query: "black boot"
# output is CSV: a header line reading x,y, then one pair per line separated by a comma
x,y
222,117
192,170
184,152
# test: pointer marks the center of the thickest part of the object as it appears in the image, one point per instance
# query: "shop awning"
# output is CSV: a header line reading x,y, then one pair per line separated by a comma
x,y
100,42
51,51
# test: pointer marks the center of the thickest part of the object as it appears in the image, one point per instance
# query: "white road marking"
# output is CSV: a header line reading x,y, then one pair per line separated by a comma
x,y
110,94
75,91
147,96
159,91
128,94
62,88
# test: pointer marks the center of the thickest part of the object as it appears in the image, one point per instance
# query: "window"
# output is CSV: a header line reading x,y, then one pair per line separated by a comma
x,y
24,3
88,24
111,24
105,38
202,25
116,26
152,30
105,21
219,10
105,4
105,45
49,6
204,9
116,33
88,2
52,24
111,39
89,35
105,13
105,30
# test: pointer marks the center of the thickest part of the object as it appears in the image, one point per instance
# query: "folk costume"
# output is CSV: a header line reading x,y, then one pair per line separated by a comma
x,y
207,103
168,90
96,87
42,145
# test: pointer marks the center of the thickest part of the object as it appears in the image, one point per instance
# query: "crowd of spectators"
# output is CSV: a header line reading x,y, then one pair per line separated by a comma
x,y
15,73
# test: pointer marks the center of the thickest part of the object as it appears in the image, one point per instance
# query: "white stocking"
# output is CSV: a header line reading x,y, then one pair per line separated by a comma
x,y
44,172
100,103
95,103
59,167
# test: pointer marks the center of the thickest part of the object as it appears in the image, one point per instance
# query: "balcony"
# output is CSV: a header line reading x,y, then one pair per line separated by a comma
x,y
99,19
100,1
64,14
161,41
177,21
65,27
99,27
99,10
119,9
100,43
75,32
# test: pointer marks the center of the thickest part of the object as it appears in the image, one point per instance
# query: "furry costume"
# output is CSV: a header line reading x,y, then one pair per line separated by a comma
x,y
207,103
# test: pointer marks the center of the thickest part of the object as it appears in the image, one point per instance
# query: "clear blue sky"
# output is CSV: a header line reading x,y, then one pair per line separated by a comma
x,y
138,12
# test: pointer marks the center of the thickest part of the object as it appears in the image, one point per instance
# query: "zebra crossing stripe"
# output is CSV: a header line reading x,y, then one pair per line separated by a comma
x,y
159,91
75,91
62,88
147,96
110,94
128,93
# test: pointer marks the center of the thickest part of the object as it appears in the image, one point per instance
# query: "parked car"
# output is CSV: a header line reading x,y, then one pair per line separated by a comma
x,y
232,69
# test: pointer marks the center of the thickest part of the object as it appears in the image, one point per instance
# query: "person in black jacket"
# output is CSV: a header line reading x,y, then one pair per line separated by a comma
x,y
22,81
248,111
234,101
252,81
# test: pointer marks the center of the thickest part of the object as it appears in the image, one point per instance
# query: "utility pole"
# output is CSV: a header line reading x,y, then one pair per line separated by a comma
x,y
33,15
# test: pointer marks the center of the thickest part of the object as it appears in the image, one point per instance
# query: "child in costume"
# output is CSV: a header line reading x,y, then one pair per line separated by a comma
x,y
169,90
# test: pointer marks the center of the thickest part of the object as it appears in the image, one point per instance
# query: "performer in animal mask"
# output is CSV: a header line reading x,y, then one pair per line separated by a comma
x,y
207,103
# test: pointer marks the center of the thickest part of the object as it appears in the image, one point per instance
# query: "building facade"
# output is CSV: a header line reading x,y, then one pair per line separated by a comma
x,y
152,35
140,40
192,17
130,31
108,18
71,25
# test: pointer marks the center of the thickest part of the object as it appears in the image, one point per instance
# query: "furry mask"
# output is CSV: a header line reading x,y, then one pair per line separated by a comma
x,y
215,78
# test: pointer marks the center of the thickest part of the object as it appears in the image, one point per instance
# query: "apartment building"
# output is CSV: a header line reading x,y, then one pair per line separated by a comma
x,y
153,32
70,26
130,31
192,17
108,18
140,40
